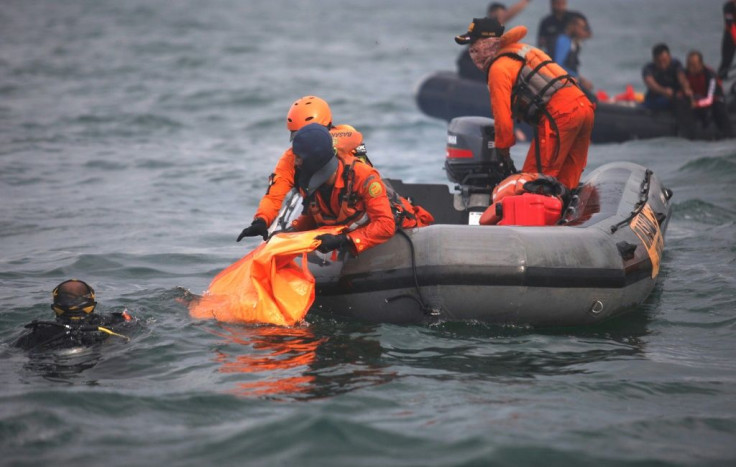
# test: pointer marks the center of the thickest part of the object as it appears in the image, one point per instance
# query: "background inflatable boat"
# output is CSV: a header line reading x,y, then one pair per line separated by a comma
x,y
445,95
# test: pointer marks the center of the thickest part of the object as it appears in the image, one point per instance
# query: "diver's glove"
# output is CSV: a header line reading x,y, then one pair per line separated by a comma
x,y
331,242
258,227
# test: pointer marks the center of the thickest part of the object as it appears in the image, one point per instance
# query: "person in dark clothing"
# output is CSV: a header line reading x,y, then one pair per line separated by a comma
x,y
668,89
709,103
465,66
665,79
76,323
567,47
553,25
728,42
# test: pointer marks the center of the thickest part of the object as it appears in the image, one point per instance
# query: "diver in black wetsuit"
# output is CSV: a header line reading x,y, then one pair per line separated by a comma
x,y
76,323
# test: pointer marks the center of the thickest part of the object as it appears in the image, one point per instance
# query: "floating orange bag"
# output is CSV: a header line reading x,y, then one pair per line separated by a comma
x,y
266,285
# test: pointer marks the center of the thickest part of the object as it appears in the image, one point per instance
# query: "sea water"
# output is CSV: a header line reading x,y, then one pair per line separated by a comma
x,y
136,139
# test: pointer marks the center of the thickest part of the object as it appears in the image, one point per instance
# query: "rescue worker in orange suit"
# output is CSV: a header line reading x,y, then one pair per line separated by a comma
x,y
349,193
307,110
526,84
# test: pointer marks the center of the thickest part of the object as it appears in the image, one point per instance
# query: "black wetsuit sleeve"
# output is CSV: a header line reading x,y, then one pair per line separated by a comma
x,y
41,334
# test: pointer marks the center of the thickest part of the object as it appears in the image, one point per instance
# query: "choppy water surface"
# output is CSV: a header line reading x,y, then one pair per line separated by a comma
x,y
135,141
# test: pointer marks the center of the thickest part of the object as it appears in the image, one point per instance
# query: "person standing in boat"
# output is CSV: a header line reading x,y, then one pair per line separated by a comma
x,y
567,48
76,324
465,66
307,110
553,25
709,103
668,89
350,194
526,84
728,42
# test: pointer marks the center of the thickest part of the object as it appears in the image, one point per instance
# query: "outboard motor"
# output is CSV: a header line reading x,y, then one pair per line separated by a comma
x,y
474,164
472,160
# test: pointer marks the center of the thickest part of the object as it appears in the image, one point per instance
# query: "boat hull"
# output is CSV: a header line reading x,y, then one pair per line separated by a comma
x,y
602,263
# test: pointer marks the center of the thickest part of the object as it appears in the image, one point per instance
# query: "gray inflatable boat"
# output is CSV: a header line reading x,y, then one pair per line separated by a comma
x,y
600,261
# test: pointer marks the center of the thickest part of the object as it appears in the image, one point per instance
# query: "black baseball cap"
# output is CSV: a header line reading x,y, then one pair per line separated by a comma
x,y
480,28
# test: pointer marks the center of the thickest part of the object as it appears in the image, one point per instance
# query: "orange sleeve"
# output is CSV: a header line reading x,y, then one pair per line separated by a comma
x,y
501,79
381,225
280,184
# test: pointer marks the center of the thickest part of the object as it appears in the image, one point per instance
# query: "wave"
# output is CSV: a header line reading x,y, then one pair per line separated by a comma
x,y
721,166
697,210
144,120
214,99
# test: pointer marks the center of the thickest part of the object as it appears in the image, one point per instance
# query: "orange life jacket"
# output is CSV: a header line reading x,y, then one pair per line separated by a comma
x,y
351,212
521,183
538,79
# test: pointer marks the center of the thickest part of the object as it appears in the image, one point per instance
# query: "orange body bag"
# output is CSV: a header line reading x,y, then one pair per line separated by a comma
x,y
266,285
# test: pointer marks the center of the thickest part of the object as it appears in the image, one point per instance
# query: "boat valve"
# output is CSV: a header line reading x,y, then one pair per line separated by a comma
x,y
597,307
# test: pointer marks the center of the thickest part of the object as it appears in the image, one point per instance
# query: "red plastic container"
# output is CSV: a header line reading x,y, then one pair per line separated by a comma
x,y
530,209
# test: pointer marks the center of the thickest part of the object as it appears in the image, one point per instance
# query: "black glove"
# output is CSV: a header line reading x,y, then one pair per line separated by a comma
x,y
258,227
331,242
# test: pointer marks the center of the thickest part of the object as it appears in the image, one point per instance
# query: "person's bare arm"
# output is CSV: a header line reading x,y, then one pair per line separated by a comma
x,y
513,10
685,84
655,87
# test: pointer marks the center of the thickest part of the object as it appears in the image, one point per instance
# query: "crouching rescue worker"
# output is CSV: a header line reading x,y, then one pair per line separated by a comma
x,y
76,324
526,84
348,193
307,110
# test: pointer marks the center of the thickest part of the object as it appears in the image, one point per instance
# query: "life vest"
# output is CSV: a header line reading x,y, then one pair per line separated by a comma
x,y
521,183
351,212
706,87
537,81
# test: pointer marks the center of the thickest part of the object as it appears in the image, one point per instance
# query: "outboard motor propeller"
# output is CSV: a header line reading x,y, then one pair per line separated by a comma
x,y
472,160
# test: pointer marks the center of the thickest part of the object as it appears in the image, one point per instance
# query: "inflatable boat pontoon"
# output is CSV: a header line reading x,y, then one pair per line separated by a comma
x,y
600,261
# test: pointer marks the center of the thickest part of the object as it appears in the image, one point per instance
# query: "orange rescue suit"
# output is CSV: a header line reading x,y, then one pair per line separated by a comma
x,y
345,139
563,153
368,214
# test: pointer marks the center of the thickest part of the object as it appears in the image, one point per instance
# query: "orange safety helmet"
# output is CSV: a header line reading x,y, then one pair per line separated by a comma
x,y
308,109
